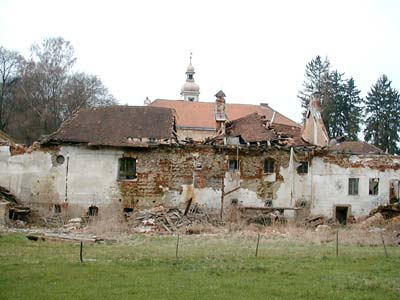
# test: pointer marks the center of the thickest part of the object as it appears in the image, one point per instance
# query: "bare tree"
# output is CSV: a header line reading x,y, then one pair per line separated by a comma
x,y
10,63
44,79
83,90
48,90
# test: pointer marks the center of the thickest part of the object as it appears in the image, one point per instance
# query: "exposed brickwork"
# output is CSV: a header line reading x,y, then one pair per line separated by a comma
x,y
170,168
167,169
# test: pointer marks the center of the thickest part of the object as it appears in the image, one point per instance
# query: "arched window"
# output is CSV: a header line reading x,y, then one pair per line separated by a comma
x,y
269,166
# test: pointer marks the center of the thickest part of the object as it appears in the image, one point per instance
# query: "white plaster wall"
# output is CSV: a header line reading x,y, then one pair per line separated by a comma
x,y
19,173
330,187
36,177
92,175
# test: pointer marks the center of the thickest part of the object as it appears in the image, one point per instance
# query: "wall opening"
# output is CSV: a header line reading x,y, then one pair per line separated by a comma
x,y
373,186
303,167
394,191
233,165
353,186
128,210
127,168
57,208
269,166
60,159
93,211
341,214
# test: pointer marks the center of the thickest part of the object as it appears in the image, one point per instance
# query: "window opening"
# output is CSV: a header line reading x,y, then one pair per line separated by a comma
x,y
353,186
269,166
127,168
373,186
233,165
303,167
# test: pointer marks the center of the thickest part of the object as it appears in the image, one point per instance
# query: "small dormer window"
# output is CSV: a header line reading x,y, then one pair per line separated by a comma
x,y
191,99
190,76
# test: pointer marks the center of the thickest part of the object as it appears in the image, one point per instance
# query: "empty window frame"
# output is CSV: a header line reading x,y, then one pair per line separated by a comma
x,y
303,167
373,186
233,165
269,166
353,186
127,168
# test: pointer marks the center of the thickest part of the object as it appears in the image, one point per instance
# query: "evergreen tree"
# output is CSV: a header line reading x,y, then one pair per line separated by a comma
x,y
383,116
316,78
352,110
332,103
340,100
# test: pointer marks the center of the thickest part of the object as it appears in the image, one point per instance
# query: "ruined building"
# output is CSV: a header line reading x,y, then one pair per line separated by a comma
x,y
214,154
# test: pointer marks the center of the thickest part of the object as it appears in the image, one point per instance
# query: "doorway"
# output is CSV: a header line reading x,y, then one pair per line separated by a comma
x,y
341,214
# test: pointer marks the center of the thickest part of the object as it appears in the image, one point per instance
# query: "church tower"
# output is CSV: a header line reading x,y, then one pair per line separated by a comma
x,y
190,91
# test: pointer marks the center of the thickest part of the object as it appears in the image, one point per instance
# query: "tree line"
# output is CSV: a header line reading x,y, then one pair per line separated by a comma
x,y
345,112
38,93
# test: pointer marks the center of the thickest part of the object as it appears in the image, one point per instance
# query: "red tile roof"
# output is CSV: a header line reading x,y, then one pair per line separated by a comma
x,y
201,114
254,128
356,148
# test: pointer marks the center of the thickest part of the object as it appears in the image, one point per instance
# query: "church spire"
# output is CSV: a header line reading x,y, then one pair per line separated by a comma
x,y
190,90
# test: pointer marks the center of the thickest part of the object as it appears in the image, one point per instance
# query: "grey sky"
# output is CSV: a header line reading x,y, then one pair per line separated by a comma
x,y
256,51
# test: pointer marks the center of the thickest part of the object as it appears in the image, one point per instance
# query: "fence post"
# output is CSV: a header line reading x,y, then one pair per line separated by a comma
x,y
81,252
337,243
383,243
258,241
177,248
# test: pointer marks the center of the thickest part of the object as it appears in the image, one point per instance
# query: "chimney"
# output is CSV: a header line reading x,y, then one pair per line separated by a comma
x,y
219,109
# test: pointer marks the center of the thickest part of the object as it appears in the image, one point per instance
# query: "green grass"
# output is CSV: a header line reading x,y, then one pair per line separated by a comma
x,y
222,267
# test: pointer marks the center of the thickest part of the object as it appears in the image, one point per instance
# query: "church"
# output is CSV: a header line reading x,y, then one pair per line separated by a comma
x,y
199,120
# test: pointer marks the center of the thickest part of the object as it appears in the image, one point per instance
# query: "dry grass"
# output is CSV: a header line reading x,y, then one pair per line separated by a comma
x,y
108,223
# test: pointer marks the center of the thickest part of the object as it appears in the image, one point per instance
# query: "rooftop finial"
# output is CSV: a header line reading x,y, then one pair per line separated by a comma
x,y
191,54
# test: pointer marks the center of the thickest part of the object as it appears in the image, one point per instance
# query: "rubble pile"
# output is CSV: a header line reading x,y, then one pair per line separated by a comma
x,y
165,219
315,221
16,211
388,211
6,196
266,219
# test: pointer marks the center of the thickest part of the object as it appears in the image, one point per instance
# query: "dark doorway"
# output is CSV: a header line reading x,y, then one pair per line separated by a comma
x,y
341,214
93,211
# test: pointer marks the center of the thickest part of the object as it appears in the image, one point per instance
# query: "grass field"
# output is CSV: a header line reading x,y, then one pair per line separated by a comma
x,y
208,267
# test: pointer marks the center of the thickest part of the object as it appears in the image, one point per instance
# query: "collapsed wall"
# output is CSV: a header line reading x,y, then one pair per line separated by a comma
x,y
78,178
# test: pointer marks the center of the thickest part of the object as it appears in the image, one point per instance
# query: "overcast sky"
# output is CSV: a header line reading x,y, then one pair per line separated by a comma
x,y
255,51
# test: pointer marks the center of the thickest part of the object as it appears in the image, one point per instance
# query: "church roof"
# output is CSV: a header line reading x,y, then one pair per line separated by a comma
x,y
201,114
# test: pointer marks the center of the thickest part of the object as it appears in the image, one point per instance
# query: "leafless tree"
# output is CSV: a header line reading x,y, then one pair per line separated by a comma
x,y
10,63
48,91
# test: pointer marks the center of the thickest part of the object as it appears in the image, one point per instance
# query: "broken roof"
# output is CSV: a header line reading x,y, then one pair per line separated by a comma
x,y
123,126
357,147
5,138
255,128
201,114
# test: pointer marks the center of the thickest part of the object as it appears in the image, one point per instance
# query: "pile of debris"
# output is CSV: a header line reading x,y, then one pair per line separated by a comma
x,y
383,214
388,211
165,219
315,221
14,210
267,219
